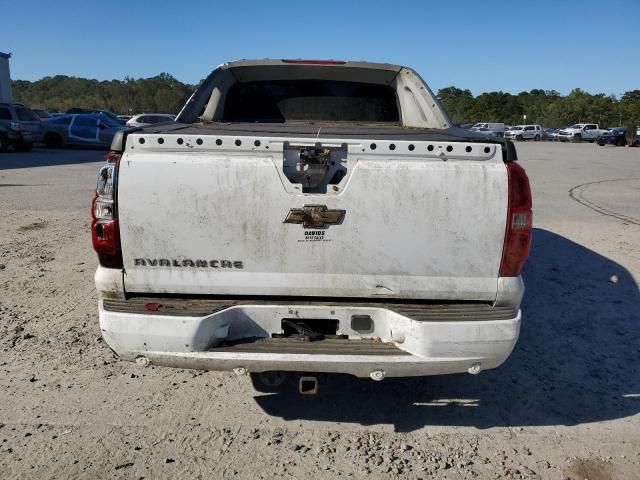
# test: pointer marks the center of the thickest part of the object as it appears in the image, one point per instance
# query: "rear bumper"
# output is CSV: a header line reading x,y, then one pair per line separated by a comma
x,y
567,137
413,339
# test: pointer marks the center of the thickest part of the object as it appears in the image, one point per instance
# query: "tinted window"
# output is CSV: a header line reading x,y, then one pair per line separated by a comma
x,y
84,128
158,118
316,100
5,114
112,116
26,115
107,120
529,128
85,122
61,121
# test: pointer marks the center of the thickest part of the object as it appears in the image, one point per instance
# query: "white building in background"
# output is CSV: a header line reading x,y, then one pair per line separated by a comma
x,y
5,78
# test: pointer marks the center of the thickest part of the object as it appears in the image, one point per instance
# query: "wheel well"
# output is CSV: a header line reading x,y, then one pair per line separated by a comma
x,y
52,137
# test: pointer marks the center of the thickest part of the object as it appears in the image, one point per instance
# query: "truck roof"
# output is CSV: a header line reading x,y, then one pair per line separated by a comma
x,y
299,61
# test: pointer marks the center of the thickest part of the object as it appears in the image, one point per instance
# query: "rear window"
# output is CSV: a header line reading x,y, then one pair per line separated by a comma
x,y
26,115
60,121
310,100
158,118
107,120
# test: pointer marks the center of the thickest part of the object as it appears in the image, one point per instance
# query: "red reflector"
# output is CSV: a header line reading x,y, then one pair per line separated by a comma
x,y
314,62
152,307
517,242
112,157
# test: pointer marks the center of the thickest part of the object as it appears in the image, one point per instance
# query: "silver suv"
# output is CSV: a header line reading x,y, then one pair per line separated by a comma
x,y
19,127
524,132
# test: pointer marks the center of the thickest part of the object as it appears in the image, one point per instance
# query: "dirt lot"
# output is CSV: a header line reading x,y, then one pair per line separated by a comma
x,y
565,405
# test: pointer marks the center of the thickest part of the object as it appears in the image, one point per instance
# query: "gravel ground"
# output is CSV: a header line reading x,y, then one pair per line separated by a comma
x,y
565,405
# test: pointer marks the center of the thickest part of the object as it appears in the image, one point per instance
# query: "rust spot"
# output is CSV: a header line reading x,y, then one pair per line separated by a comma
x,y
152,307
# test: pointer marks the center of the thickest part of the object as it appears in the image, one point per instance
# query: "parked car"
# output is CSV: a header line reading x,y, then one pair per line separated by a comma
x,y
20,127
578,132
93,129
524,132
550,134
109,114
485,131
496,129
614,136
220,276
144,119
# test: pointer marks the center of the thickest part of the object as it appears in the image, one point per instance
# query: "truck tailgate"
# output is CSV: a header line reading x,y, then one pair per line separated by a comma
x,y
206,215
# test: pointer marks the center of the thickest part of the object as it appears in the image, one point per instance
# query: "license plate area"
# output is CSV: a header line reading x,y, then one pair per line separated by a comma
x,y
309,329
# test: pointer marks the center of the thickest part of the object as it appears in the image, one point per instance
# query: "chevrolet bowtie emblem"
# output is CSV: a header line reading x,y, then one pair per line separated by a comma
x,y
315,216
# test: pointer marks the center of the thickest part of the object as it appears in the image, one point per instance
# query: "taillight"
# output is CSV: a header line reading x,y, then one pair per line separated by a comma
x,y
105,231
517,241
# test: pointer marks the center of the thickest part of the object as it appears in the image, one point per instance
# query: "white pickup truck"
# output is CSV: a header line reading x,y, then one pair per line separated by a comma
x,y
588,132
311,217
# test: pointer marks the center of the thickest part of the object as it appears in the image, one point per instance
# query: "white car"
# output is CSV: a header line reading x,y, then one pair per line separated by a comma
x,y
144,119
274,230
581,131
492,129
524,132
485,131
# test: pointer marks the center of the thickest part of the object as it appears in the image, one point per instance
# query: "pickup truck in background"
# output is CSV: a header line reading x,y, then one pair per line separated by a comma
x,y
588,132
304,217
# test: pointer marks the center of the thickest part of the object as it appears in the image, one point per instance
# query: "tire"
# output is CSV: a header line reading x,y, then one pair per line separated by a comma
x,y
519,138
621,143
4,143
601,144
24,146
53,140
536,138
577,138
269,382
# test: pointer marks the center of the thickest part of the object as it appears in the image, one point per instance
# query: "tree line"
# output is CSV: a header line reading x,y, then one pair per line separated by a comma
x,y
164,94
159,94
544,107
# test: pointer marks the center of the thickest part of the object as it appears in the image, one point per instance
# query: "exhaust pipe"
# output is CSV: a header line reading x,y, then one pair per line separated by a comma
x,y
308,385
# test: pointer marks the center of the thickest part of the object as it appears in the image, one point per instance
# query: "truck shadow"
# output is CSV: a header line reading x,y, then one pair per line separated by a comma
x,y
577,360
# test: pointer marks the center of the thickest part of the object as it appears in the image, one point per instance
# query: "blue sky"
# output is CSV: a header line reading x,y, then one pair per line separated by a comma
x,y
480,45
